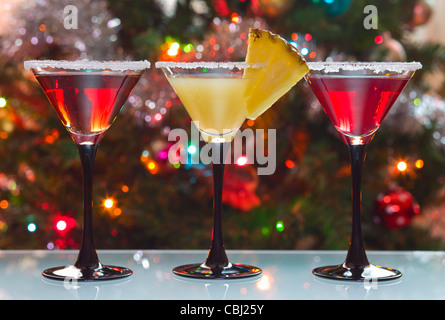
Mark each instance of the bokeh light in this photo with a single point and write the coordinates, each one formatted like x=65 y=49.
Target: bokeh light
x=402 y=166
x=108 y=203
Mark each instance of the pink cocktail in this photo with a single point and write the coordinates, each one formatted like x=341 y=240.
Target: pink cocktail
x=357 y=105
x=87 y=103
x=87 y=96
x=356 y=97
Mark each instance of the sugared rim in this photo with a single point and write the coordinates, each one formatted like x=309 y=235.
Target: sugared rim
x=355 y=66
x=208 y=65
x=87 y=64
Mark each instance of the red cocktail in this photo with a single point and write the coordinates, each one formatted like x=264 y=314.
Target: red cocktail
x=357 y=105
x=87 y=104
x=357 y=97
x=87 y=96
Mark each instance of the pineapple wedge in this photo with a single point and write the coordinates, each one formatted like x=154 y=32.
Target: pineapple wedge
x=285 y=67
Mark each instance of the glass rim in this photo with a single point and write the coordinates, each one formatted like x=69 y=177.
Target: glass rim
x=87 y=64
x=208 y=65
x=336 y=66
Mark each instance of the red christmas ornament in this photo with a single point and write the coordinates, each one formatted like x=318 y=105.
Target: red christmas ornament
x=221 y=7
x=240 y=183
x=395 y=209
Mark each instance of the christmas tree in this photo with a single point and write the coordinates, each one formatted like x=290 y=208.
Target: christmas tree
x=144 y=201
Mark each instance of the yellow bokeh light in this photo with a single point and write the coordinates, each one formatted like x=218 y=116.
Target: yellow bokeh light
x=402 y=166
x=173 y=49
x=419 y=164
x=235 y=18
x=151 y=165
x=108 y=203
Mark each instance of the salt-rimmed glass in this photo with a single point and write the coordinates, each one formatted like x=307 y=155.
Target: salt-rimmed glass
x=215 y=96
x=357 y=96
x=87 y=96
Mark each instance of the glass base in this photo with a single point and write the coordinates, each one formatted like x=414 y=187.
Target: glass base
x=366 y=273
x=233 y=271
x=87 y=274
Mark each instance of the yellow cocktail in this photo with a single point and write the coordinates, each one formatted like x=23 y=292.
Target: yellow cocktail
x=216 y=102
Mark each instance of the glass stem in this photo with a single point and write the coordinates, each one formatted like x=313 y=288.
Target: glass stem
x=217 y=258
x=87 y=257
x=356 y=254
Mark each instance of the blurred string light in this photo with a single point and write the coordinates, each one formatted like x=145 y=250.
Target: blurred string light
x=145 y=154
x=378 y=39
x=405 y=166
x=2 y=102
x=191 y=149
x=419 y=163
x=242 y=161
x=149 y=163
x=235 y=18
x=289 y=163
x=64 y=223
x=173 y=49
x=305 y=44
x=158 y=117
x=108 y=203
x=402 y=166
x=188 y=48
x=4 y=204
x=152 y=167
x=61 y=225
x=32 y=227
x=279 y=226
x=52 y=137
x=116 y=212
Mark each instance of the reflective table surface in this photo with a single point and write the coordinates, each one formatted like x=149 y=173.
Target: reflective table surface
x=287 y=275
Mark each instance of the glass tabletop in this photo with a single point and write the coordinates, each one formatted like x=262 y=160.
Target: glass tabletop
x=286 y=276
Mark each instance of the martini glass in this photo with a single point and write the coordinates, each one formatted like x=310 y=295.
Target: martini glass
x=87 y=96
x=357 y=97
x=215 y=96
